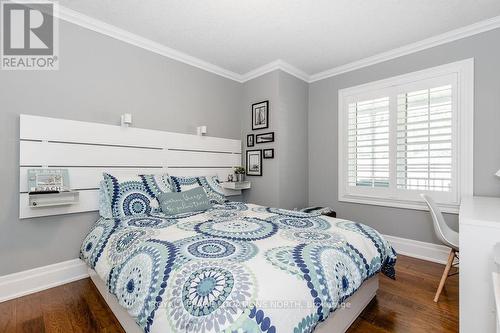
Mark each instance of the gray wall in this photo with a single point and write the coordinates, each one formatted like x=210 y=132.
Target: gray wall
x=265 y=188
x=284 y=177
x=99 y=79
x=291 y=149
x=485 y=48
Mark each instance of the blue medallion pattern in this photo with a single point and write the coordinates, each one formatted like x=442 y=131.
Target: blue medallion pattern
x=208 y=248
x=313 y=236
x=212 y=294
x=232 y=205
x=125 y=241
x=307 y=324
x=219 y=270
x=157 y=184
x=381 y=245
x=244 y=229
x=104 y=201
x=130 y=196
x=140 y=281
x=332 y=273
x=211 y=185
x=282 y=257
x=219 y=215
x=263 y=322
x=297 y=223
x=96 y=240
x=148 y=222
x=291 y=213
x=188 y=225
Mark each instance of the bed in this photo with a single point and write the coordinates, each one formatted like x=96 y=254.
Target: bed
x=236 y=268
x=266 y=269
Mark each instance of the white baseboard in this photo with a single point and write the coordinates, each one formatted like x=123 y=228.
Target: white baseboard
x=421 y=250
x=41 y=278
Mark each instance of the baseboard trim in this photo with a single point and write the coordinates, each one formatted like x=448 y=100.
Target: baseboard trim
x=41 y=278
x=420 y=250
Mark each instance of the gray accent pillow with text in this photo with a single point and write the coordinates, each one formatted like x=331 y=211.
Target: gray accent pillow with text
x=193 y=200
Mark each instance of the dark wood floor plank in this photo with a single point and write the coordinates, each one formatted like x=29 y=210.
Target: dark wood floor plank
x=29 y=314
x=8 y=317
x=81 y=316
x=406 y=304
x=54 y=305
x=401 y=306
x=99 y=307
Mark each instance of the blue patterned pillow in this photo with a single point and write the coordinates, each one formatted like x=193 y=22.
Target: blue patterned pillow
x=131 y=195
x=104 y=201
x=210 y=184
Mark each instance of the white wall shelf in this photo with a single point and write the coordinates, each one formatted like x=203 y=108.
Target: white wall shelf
x=245 y=185
x=53 y=199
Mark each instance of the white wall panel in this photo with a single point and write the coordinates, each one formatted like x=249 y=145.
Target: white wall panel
x=66 y=154
x=176 y=158
x=89 y=149
x=203 y=143
x=63 y=130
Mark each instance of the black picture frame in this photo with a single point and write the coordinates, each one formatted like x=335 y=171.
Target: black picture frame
x=250 y=140
x=268 y=153
x=254 y=162
x=264 y=137
x=260 y=115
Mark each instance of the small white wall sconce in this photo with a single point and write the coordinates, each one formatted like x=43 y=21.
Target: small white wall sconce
x=126 y=119
x=498 y=173
x=201 y=130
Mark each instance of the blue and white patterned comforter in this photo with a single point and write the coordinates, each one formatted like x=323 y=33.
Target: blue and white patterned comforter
x=235 y=268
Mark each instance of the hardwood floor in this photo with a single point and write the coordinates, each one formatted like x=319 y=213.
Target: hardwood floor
x=401 y=306
x=406 y=304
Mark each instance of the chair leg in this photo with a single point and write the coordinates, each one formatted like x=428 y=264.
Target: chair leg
x=451 y=257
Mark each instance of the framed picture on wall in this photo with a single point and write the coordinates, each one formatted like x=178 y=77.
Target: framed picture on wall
x=250 y=140
x=260 y=115
x=264 y=137
x=268 y=153
x=254 y=162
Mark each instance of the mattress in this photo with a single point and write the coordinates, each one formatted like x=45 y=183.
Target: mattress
x=236 y=268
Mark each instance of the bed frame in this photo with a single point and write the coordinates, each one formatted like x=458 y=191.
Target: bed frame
x=338 y=322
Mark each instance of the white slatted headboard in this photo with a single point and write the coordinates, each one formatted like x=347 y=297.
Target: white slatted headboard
x=88 y=149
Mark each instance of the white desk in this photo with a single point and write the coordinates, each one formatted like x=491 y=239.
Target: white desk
x=479 y=232
x=496 y=290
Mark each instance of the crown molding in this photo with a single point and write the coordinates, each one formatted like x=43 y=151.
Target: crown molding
x=450 y=36
x=101 y=27
x=275 y=65
x=96 y=25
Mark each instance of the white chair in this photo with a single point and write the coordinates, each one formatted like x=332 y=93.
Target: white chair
x=447 y=236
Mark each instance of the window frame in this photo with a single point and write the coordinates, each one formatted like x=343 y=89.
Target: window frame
x=462 y=137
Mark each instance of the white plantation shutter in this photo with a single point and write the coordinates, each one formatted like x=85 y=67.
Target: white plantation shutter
x=368 y=143
x=408 y=135
x=424 y=139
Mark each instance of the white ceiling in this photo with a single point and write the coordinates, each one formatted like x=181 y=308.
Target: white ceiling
x=312 y=35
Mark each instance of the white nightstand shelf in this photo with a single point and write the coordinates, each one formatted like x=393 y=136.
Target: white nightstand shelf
x=53 y=199
x=245 y=185
x=235 y=188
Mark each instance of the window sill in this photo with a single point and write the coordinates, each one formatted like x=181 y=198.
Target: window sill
x=394 y=203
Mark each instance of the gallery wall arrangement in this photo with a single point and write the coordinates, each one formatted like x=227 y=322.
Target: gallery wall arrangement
x=260 y=121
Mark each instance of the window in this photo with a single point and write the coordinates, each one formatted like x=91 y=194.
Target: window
x=408 y=135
